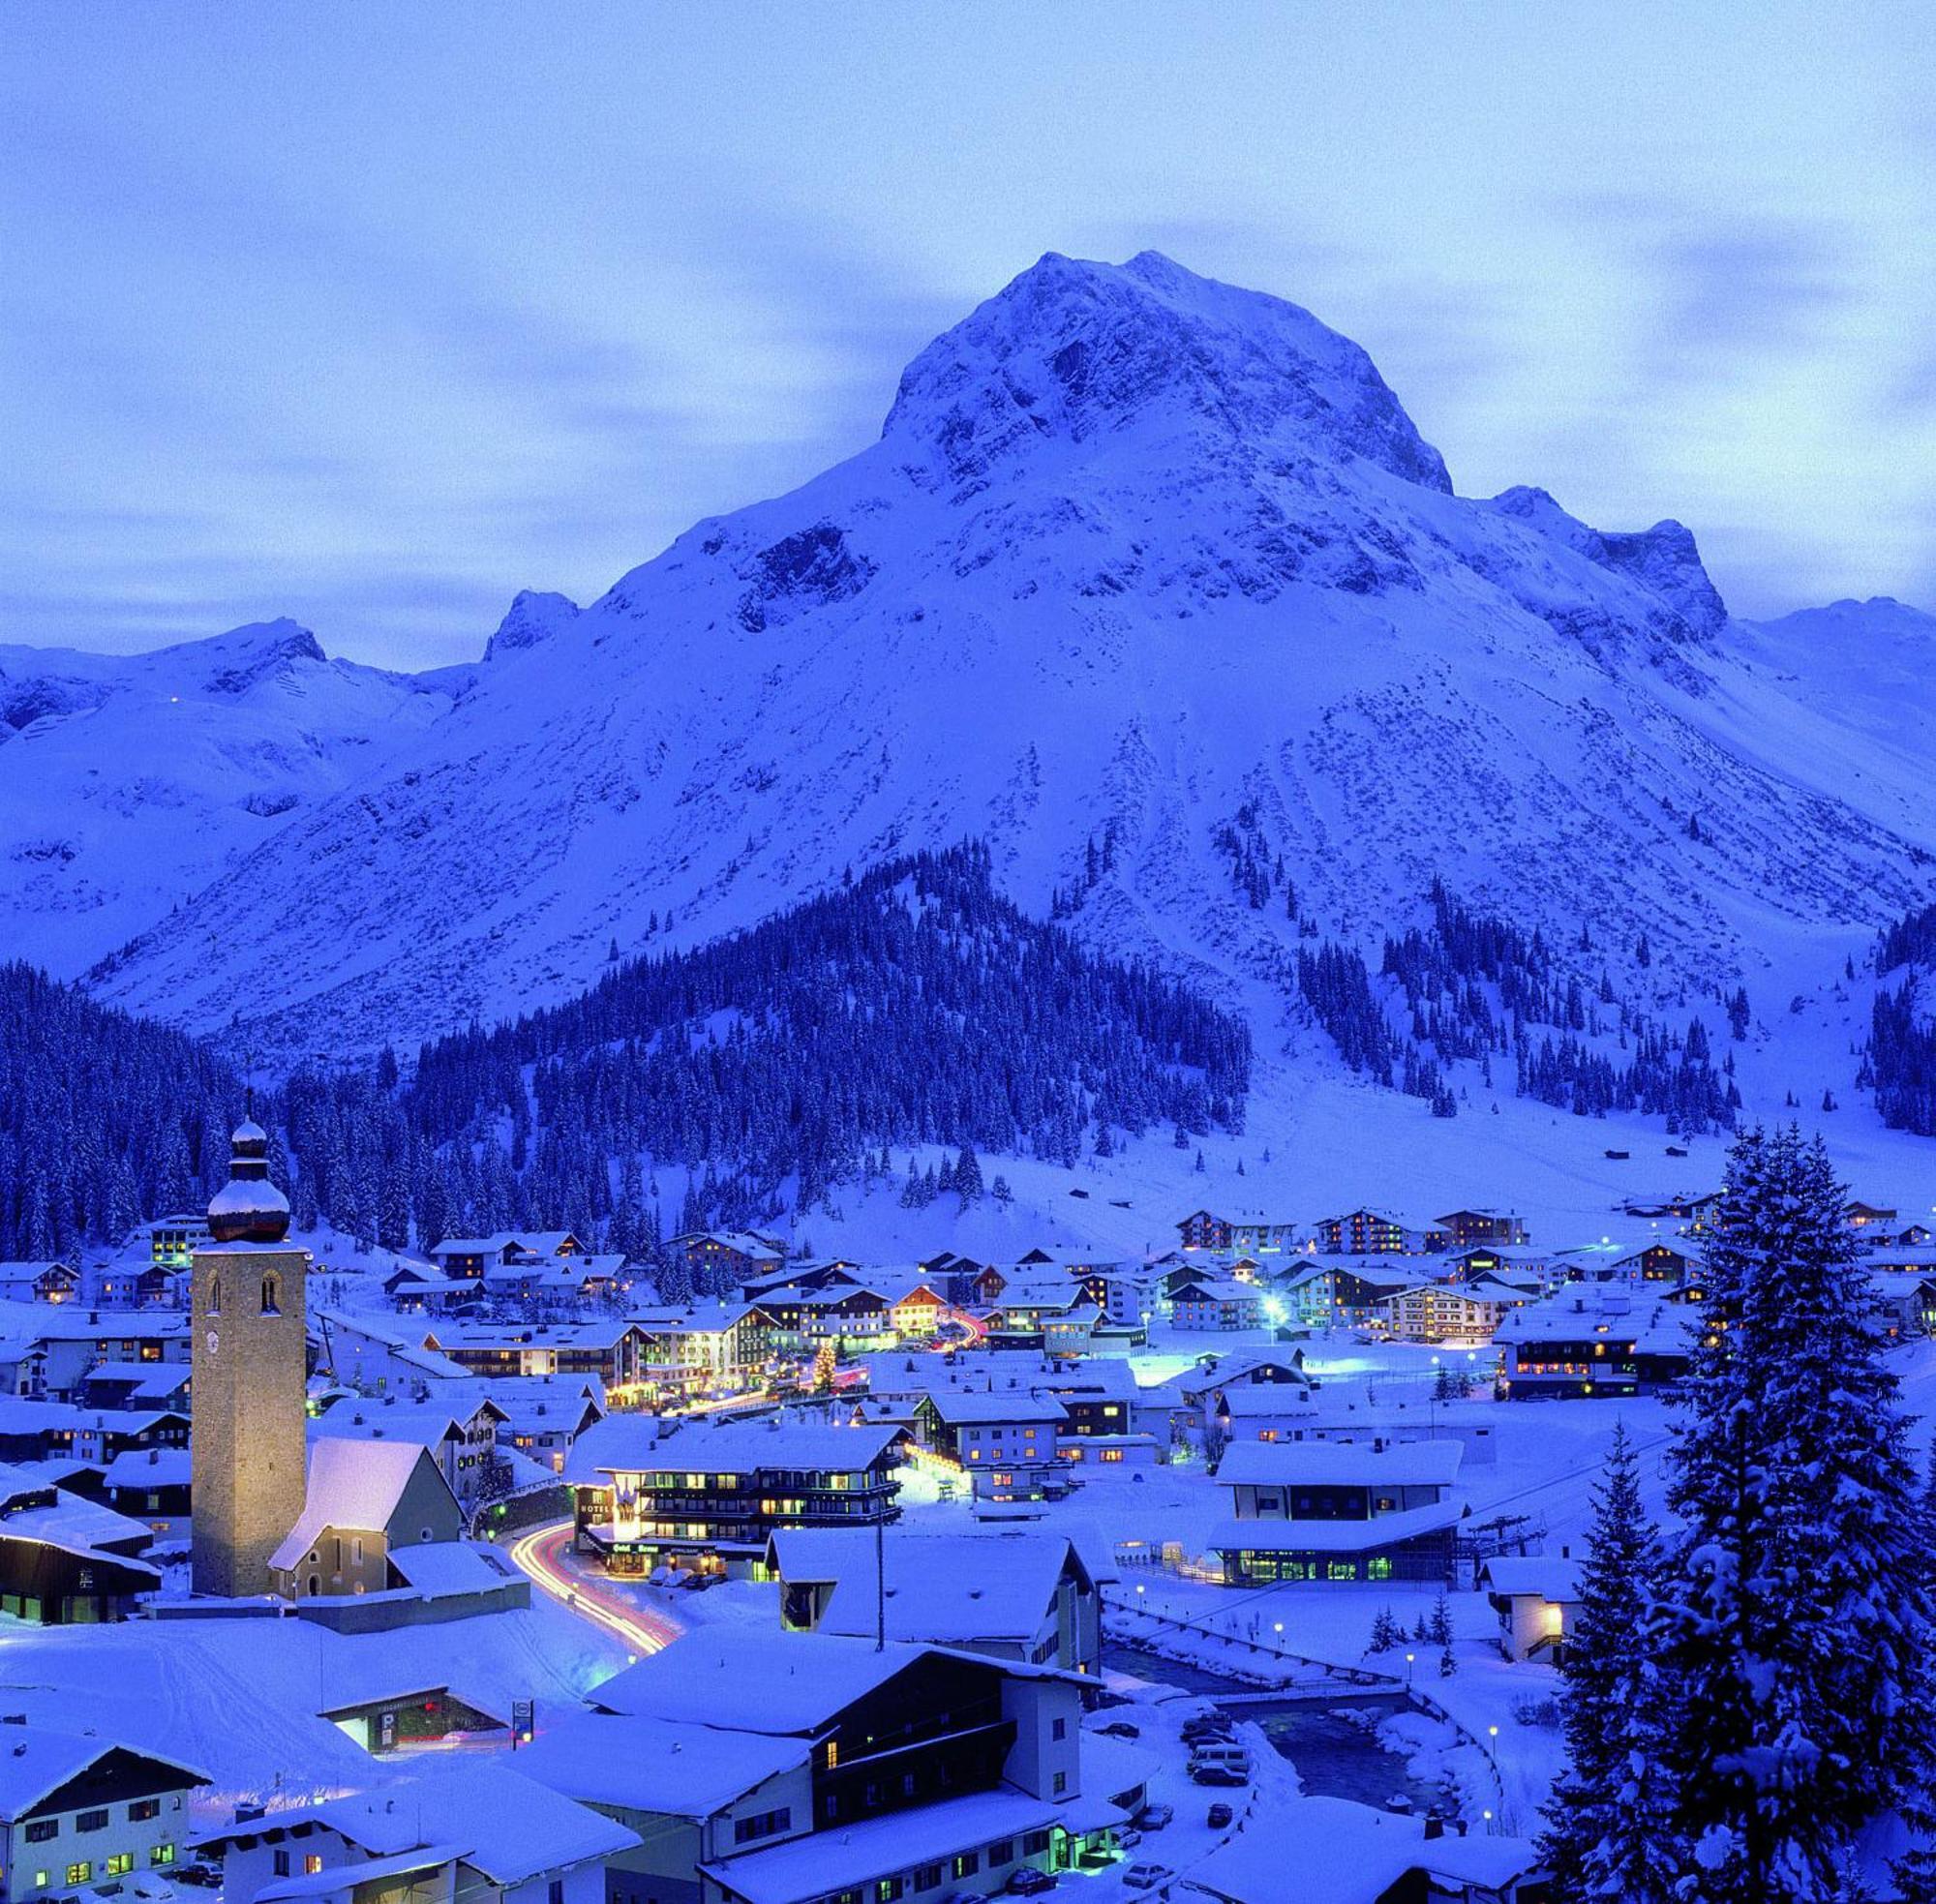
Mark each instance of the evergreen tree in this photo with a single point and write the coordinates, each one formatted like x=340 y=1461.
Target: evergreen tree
x=1605 y=1820
x=1795 y=1622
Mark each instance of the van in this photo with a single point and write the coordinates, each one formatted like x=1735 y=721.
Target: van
x=1224 y=1752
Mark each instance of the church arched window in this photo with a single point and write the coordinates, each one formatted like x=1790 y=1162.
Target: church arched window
x=271 y=1296
x=215 y=1295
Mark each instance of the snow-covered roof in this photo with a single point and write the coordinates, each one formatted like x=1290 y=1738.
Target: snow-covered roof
x=352 y=1484
x=150 y=1467
x=655 y=1764
x=1350 y=1854
x=956 y=1407
x=954 y=1588
x=631 y=1443
x=440 y=1569
x=1331 y=1536
x=1552 y=1575
x=36 y=1761
x=507 y=1826
x=856 y=1854
x=760 y=1679
x=1340 y=1464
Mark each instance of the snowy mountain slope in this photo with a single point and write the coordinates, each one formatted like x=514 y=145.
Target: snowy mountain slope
x=1135 y=554
x=131 y=784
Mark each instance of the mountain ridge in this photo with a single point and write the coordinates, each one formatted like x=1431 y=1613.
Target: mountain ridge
x=1207 y=568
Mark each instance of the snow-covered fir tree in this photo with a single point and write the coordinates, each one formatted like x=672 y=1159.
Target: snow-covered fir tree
x=1603 y=1832
x=1794 y=1626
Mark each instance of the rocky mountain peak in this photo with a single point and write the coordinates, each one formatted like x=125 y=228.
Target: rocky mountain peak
x=533 y=616
x=1072 y=349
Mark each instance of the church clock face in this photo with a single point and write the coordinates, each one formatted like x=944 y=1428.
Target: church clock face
x=213 y=1341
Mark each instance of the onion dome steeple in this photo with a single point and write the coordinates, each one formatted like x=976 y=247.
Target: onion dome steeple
x=249 y=1208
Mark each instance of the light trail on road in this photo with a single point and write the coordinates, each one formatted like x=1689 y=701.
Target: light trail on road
x=540 y=1554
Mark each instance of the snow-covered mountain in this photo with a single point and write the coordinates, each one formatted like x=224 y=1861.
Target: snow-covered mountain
x=133 y=784
x=1138 y=558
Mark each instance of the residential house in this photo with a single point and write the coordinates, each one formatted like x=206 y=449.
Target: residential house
x=985 y=1431
x=460 y=1829
x=718 y=1259
x=1595 y=1339
x=78 y=1810
x=1229 y=1235
x=608 y=1348
x=1318 y=1511
x=39 y=1281
x=926 y=1767
x=1023 y=1595
x=702 y=1349
x=1216 y=1305
x=1325 y=1294
x=1433 y=1313
x=1463 y=1228
x=64 y=1561
x=461 y=1435
x=1372 y=1233
x=1537 y=1599
x=706 y=1496
x=151 y=1486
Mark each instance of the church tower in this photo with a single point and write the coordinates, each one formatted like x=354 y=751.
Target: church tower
x=250 y=1368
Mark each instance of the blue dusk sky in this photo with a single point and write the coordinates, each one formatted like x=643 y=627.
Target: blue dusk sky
x=373 y=313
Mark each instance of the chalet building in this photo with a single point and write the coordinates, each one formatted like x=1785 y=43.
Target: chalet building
x=1325 y=1295
x=144 y=1386
x=172 y=1240
x=1504 y=1229
x=1589 y=1340
x=968 y=1283
x=708 y=1496
x=1216 y=1305
x=365 y=1500
x=1179 y=1408
x=1870 y=1219
x=1318 y=1511
x=460 y=1434
x=1915 y=1236
x=1907 y=1301
x=1367 y=1233
x=1657 y=1262
x=39 y=1281
x=1435 y=1313
x=64 y=1561
x=610 y=1350
x=538 y=1418
x=803 y=1317
x=1263 y=1411
x=1022 y=1595
x=151 y=1488
x=1232 y=1235
x=1054 y=1313
x=78 y=1810
x=907 y=1770
x=1694 y=1214
x=576 y=1275
x=133 y=1282
x=716 y=1258
x=56 y=1363
x=460 y=1828
x=1010 y=1428
x=1537 y=1599
x=704 y=1349
x=1098 y=1395
x=33 y=1431
x=468 y=1258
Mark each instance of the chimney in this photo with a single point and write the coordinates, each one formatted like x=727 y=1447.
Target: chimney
x=1435 y=1825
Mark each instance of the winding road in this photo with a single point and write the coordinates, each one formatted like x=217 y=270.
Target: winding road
x=544 y=1555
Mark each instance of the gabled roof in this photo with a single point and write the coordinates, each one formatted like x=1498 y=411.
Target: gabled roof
x=35 y=1763
x=953 y=1589
x=352 y=1484
x=1552 y=1575
x=680 y=1770
x=758 y=1680
x=631 y=1443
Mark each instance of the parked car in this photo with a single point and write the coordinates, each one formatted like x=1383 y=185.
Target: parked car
x=1146 y=1876
x=1129 y=1838
x=1120 y=1729
x=1220 y=1816
x=1195 y=1730
x=1153 y=1818
x=1226 y=1775
x=1028 y=1882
